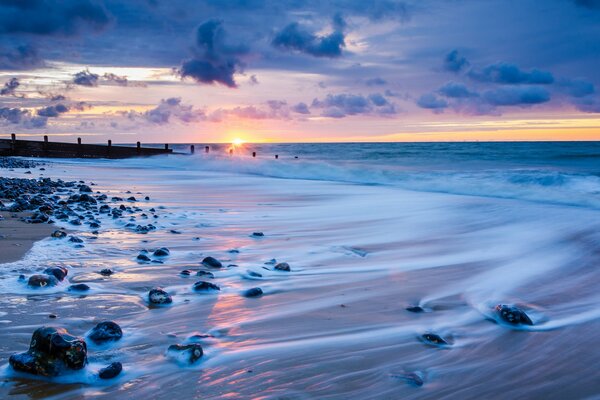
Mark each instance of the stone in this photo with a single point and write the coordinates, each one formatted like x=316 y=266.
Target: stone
x=105 y=331
x=159 y=296
x=42 y=280
x=162 y=252
x=75 y=239
x=432 y=338
x=257 y=234
x=253 y=274
x=106 y=272
x=192 y=352
x=283 y=266
x=52 y=351
x=143 y=257
x=254 y=292
x=512 y=315
x=79 y=287
x=415 y=309
x=212 y=262
x=185 y=272
x=58 y=234
x=59 y=273
x=85 y=189
x=207 y=274
x=110 y=371
x=203 y=286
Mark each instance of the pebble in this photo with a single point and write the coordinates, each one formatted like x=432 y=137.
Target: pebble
x=254 y=292
x=283 y=267
x=105 y=331
x=212 y=262
x=111 y=371
x=203 y=286
x=159 y=296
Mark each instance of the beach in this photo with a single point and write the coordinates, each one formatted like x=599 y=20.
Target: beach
x=374 y=267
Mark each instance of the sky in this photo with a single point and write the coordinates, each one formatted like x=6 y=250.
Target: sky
x=169 y=71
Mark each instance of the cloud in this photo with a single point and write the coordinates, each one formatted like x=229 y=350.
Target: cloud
x=168 y=109
x=23 y=57
x=52 y=111
x=215 y=60
x=301 y=108
x=9 y=87
x=86 y=78
x=516 y=96
x=17 y=116
x=454 y=62
x=431 y=102
x=577 y=87
x=342 y=105
x=589 y=104
x=506 y=73
x=119 y=80
x=51 y=17
x=456 y=90
x=377 y=81
x=272 y=109
x=295 y=38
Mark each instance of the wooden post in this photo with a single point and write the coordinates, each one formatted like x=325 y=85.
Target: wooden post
x=230 y=152
x=253 y=154
x=206 y=149
x=166 y=146
x=139 y=147
x=79 y=140
x=13 y=137
x=192 y=149
x=276 y=156
x=109 y=143
x=13 y=143
x=45 y=144
x=45 y=138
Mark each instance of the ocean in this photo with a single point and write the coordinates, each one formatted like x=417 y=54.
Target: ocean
x=368 y=229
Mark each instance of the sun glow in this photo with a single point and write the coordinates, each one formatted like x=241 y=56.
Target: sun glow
x=238 y=142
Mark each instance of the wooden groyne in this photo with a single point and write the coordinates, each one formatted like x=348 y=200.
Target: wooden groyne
x=31 y=148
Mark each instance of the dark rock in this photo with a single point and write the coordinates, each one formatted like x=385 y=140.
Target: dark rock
x=52 y=351
x=203 y=286
x=212 y=262
x=513 y=315
x=185 y=272
x=257 y=234
x=254 y=292
x=75 y=239
x=412 y=378
x=192 y=351
x=415 y=309
x=147 y=198
x=85 y=189
x=162 y=252
x=159 y=296
x=131 y=198
x=40 y=280
x=111 y=371
x=105 y=331
x=173 y=231
x=59 y=234
x=254 y=274
x=59 y=273
x=143 y=257
x=106 y=272
x=52 y=316
x=283 y=267
x=79 y=287
x=206 y=274
x=432 y=338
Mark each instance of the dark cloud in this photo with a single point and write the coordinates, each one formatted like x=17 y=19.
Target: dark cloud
x=294 y=38
x=506 y=73
x=51 y=17
x=52 y=111
x=454 y=62
x=342 y=105
x=589 y=104
x=86 y=78
x=377 y=81
x=169 y=109
x=301 y=108
x=431 y=102
x=57 y=97
x=23 y=118
x=9 y=87
x=253 y=80
x=215 y=61
x=456 y=90
x=119 y=80
x=577 y=87
x=516 y=96
x=22 y=57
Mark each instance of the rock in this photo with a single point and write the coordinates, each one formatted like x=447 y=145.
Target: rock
x=131 y=198
x=147 y=198
x=79 y=287
x=59 y=234
x=106 y=272
x=52 y=316
x=415 y=309
x=206 y=274
x=173 y=231
x=59 y=273
x=203 y=286
x=162 y=252
x=105 y=331
x=432 y=338
x=192 y=352
x=257 y=234
x=412 y=378
x=159 y=296
x=110 y=371
x=185 y=272
x=212 y=262
x=52 y=351
x=254 y=292
x=513 y=315
x=40 y=280
x=75 y=239
x=85 y=189
x=143 y=257
x=283 y=267
x=254 y=274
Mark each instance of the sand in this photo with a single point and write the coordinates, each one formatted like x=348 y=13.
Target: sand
x=17 y=237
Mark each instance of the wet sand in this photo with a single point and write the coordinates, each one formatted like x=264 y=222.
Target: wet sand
x=18 y=237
